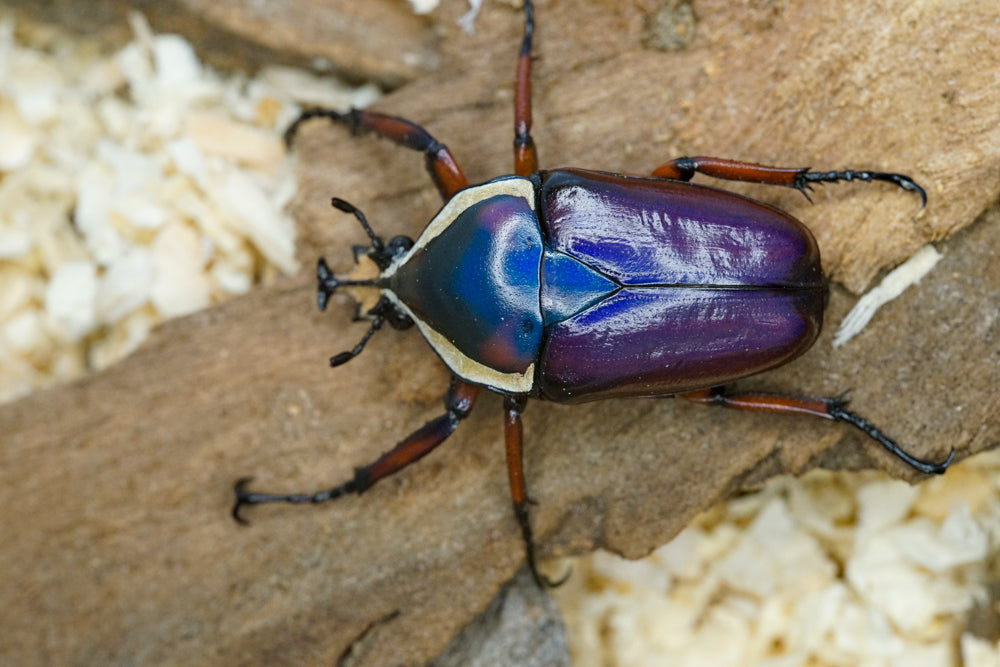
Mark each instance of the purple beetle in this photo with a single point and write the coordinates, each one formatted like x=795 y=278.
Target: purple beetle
x=573 y=285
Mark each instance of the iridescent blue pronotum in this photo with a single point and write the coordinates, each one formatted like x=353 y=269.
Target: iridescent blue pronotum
x=572 y=285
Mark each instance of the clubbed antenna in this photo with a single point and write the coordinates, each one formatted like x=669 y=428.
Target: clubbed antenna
x=382 y=256
x=329 y=282
x=347 y=355
x=377 y=244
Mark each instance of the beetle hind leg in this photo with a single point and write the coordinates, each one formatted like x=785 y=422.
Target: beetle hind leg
x=458 y=402
x=826 y=408
x=800 y=178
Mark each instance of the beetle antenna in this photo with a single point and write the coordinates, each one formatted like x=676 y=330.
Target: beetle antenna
x=377 y=244
x=347 y=355
x=329 y=282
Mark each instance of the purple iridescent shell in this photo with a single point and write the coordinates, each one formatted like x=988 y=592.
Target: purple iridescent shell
x=715 y=287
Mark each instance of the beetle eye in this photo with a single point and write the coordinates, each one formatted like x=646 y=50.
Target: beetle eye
x=396 y=318
x=399 y=320
x=397 y=245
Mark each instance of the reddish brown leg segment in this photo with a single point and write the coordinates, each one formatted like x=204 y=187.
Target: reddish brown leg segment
x=458 y=402
x=440 y=164
x=827 y=408
x=800 y=178
x=525 y=157
x=514 y=440
x=684 y=168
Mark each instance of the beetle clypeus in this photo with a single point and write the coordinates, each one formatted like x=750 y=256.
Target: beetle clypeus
x=572 y=285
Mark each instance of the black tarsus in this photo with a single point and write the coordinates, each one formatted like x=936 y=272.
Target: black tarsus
x=309 y=114
x=805 y=178
x=529 y=28
x=527 y=536
x=836 y=410
x=250 y=498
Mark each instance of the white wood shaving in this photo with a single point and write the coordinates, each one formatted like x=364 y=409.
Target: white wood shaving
x=466 y=22
x=828 y=570
x=134 y=186
x=895 y=283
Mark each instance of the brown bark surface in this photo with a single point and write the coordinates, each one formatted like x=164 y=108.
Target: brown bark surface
x=381 y=41
x=116 y=489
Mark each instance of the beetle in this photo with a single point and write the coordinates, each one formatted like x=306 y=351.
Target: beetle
x=572 y=285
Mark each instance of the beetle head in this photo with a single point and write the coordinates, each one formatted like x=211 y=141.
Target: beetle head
x=371 y=261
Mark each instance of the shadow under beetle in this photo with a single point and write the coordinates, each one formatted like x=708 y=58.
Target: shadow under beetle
x=573 y=285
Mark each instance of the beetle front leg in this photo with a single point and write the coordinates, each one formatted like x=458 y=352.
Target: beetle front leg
x=525 y=157
x=458 y=402
x=827 y=408
x=800 y=178
x=442 y=167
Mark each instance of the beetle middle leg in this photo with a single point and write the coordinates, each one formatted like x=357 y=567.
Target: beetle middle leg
x=458 y=403
x=441 y=165
x=827 y=408
x=800 y=178
x=525 y=156
x=514 y=439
